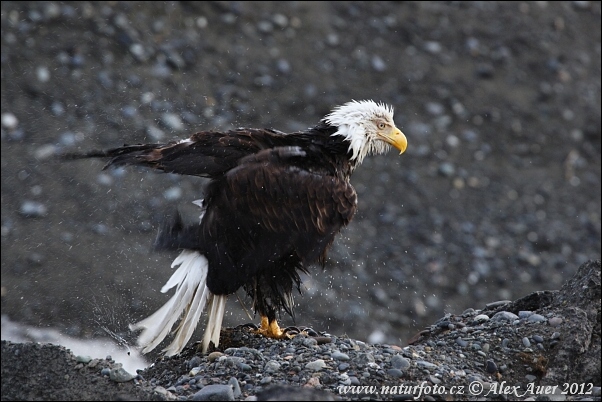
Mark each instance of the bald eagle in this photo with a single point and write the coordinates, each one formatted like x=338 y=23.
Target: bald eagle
x=272 y=207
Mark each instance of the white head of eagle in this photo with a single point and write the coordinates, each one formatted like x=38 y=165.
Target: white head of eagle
x=272 y=208
x=368 y=126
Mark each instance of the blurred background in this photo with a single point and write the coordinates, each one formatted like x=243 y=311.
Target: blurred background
x=497 y=196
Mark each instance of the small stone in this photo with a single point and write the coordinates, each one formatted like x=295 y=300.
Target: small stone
x=213 y=356
x=526 y=342
x=363 y=359
x=214 y=393
x=316 y=365
x=536 y=318
x=340 y=356
x=425 y=364
x=530 y=378
x=461 y=342
x=400 y=362
x=119 y=374
x=194 y=362
x=172 y=121
x=491 y=367
x=343 y=367
x=555 y=335
x=313 y=382
x=538 y=338
x=83 y=359
x=525 y=314
x=272 y=366
x=354 y=380
x=265 y=380
x=33 y=209
x=481 y=318
x=555 y=321
x=497 y=304
x=395 y=373
x=434 y=379
x=233 y=382
x=9 y=121
x=504 y=316
x=45 y=152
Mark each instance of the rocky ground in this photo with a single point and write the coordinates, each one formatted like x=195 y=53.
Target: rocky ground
x=545 y=346
x=498 y=195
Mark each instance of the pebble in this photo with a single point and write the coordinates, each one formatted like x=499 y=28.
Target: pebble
x=491 y=367
x=461 y=342
x=340 y=356
x=536 y=318
x=526 y=342
x=83 y=359
x=214 y=392
x=271 y=367
x=214 y=356
x=497 y=304
x=172 y=121
x=425 y=364
x=364 y=358
x=343 y=367
x=400 y=362
x=316 y=365
x=504 y=316
x=9 y=121
x=538 y=338
x=395 y=373
x=481 y=318
x=33 y=209
x=118 y=374
x=524 y=314
x=555 y=321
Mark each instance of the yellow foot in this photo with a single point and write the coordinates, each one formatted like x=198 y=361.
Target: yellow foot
x=272 y=330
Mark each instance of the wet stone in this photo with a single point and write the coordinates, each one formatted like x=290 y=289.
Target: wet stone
x=316 y=365
x=538 y=338
x=340 y=356
x=461 y=342
x=536 y=318
x=399 y=362
x=555 y=321
x=425 y=364
x=119 y=374
x=504 y=316
x=491 y=367
x=214 y=393
x=481 y=318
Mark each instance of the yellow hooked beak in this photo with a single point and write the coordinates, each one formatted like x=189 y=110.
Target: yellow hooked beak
x=396 y=138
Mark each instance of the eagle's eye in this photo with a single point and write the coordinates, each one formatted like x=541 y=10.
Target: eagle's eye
x=381 y=125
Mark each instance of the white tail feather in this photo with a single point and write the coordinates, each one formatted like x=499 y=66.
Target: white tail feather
x=190 y=299
x=214 y=321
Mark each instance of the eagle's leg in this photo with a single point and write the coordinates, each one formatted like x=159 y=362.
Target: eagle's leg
x=271 y=329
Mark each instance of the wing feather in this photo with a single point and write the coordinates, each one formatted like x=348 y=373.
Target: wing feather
x=207 y=153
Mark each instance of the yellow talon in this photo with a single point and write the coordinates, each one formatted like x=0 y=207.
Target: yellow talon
x=271 y=330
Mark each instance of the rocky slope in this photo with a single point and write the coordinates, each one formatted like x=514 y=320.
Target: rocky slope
x=545 y=346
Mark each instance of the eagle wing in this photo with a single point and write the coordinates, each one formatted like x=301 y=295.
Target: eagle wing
x=272 y=206
x=206 y=153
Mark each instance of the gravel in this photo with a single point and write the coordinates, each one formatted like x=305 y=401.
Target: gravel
x=314 y=369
